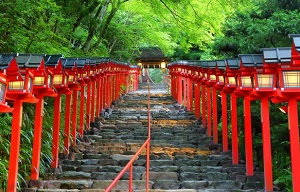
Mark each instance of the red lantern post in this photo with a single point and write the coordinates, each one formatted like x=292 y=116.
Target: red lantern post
x=82 y=76
x=288 y=90
x=20 y=89
x=264 y=87
x=219 y=72
x=244 y=88
x=211 y=81
x=94 y=78
x=203 y=74
x=42 y=86
x=60 y=83
x=71 y=68
x=232 y=68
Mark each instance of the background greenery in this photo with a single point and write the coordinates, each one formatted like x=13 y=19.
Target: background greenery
x=182 y=29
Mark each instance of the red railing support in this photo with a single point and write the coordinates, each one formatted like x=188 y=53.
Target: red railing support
x=129 y=165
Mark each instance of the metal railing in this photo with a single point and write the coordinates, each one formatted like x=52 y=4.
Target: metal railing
x=129 y=165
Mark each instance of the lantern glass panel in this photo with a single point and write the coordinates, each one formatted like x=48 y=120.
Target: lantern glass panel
x=221 y=79
x=71 y=78
x=2 y=91
x=246 y=81
x=291 y=79
x=39 y=80
x=57 y=79
x=265 y=80
x=212 y=77
x=231 y=81
x=16 y=85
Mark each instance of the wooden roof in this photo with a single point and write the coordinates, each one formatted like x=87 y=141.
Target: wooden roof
x=151 y=57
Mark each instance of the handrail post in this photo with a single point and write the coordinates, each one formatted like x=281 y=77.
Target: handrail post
x=129 y=165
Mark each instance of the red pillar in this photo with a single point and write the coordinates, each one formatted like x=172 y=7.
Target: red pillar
x=197 y=100
x=56 y=130
x=103 y=95
x=81 y=115
x=98 y=100
x=37 y=138
x=67 y=124
x=190 y=99
x=248 y=136
x=234 y=130
x=14 y=147
x=203 y=107
x=215 y=115
x=184 y=92
x=93 y=101
x=208 y=112
x=294 y=143
x=224 y=122
x=179 y=90
x=267 y=151
x=74 y=116
x=88 y=107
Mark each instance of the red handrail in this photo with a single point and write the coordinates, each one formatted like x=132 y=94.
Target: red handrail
x=130 y=163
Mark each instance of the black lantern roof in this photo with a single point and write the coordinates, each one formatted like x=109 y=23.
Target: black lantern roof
x=93 y=61
x=68 y=62
x=204 y=64
x=30 y=60
x=80 y=62
x=193 y=62
x=5 y=60
x=251 y=60
x=296 y=40
x=52 y=60
x=233 y=63
x=211 y=64
x=221 y=64
x=277 y=55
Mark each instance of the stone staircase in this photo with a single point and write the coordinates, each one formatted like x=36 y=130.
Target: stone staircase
x=182 y=157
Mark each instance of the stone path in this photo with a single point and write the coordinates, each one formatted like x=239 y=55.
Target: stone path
x=181 y=159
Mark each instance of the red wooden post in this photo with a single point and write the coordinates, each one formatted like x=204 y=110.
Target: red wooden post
x=67 y=124
x=197 y=100
x=215 y=114
x=184 y=92
x=191 y=98
x=232 y=68
x=14 y=147
x=224 y=121
x=74 y=116
x=179 y=89
x=93 y=101
x=294 y=142
x=266 y=137
x=209 y=131
x=56 y=130
x=88 y=106
x=37 y=138
x=248 y=136
x=204 y=106
x=234 y=130
x=81 y=115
